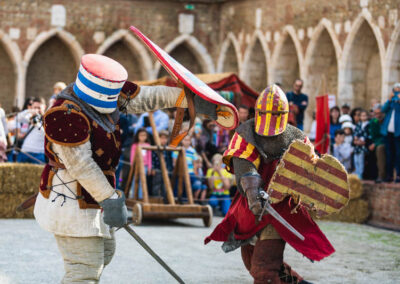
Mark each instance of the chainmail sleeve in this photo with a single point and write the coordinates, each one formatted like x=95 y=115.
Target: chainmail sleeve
x=241 y=167
x=80 y=165
x=151 y=98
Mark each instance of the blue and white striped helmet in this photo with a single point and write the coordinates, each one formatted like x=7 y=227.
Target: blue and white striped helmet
x=99 y=82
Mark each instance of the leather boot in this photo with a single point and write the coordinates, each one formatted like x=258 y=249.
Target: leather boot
x=288 y=275
x=247 y=253
x=267 y=261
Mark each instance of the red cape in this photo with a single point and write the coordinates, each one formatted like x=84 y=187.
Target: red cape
x=242 y=222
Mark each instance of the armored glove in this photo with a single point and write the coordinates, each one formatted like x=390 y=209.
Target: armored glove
x=203 y=106
x=115 y=212
x=251 y=184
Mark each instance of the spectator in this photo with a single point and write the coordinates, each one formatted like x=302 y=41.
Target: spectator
x=391 y=131
x=342 y=150
x=160 y=119
x=208 y=141
x=156 y=182
x=3 y=120
x=355 y=115
x=141 y=139
x=345 y=109
x=348 y=129
x=32 y=149
x=334 y=123
x=297 y=98
x=313 y=129
x=191 y=157
x=243 y=113
x=57 y=88
x=3 y=138
x=359 y=141
x=164 y=134
x=198 y=171
x=377 y=142
x=219 y=181
x=127 y=124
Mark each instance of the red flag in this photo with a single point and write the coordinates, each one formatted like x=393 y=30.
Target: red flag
x=322 y=118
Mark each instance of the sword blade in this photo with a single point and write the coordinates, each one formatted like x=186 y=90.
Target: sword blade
x=152 y=253
x=280 y=219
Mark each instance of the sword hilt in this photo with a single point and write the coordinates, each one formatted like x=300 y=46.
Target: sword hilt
x=264 y=198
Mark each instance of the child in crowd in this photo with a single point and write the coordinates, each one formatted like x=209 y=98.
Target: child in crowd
x=359 y=141
x=219 y=181
x=191 y=157
x=342 y=150
x=198 y=171
x=141 y=139
x=348 y=127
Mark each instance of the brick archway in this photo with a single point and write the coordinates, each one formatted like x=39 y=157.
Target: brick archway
x=195 y=48
x=10 y=68
x=125 y=48
x=361 y=65
x=49 y=67
x=229 y=59
x=321 y=64
x=255 y=67
x=287 y=59
x=392 y=63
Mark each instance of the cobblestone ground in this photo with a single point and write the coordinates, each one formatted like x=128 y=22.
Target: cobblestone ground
x=363 y=255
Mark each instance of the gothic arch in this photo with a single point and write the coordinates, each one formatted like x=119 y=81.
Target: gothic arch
x=137 y=49
x=321 y=63
x=255 y=67
x=287 y=59
x=65 y=36
x=230 y=43
x=195 y=47
x=392 y=63
x=362 y=63
x=11 y=91
x=53 y=56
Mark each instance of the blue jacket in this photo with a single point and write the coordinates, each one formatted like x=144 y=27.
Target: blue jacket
x=388 y=108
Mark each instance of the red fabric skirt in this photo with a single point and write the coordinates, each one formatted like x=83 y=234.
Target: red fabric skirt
x=243 y=223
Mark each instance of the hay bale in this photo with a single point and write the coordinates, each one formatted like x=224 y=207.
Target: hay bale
x=356 y=211
x=9 y=203
x=355 y=185
x=17 y=183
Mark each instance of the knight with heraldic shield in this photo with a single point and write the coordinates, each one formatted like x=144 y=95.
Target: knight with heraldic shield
x=280 y=179
x=77 y=200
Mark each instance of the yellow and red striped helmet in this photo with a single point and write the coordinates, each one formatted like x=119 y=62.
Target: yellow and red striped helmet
x=272 y=111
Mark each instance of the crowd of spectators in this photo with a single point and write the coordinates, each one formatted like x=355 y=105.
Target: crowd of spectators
x=367 y=142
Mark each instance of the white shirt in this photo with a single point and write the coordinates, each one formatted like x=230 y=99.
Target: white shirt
x=391 y=123
x=34 y=141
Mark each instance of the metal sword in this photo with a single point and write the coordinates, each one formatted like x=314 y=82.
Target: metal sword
x=267 y=207
x=152 y=253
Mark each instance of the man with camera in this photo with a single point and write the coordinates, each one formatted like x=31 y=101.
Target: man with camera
x=390 y=129
x=32 y=150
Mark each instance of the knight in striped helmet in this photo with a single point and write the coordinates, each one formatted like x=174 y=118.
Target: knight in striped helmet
x=272 y=109
x=253 y=154
x=83 y=147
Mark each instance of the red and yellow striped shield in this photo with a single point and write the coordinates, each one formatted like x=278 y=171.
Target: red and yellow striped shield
x=318 y=183
x=272 y=110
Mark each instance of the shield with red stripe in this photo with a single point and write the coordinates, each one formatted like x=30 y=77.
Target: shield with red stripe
x=319 y=184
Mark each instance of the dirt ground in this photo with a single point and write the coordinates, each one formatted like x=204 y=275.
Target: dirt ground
x=363 y=254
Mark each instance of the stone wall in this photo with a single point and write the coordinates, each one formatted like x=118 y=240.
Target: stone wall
x=384 y=200
x=353 y=44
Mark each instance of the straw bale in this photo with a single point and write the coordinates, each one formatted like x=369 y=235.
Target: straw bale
x=356 y=211
x=356 y=189
x=9 y=203
x=18 y=182
x=19 y=178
